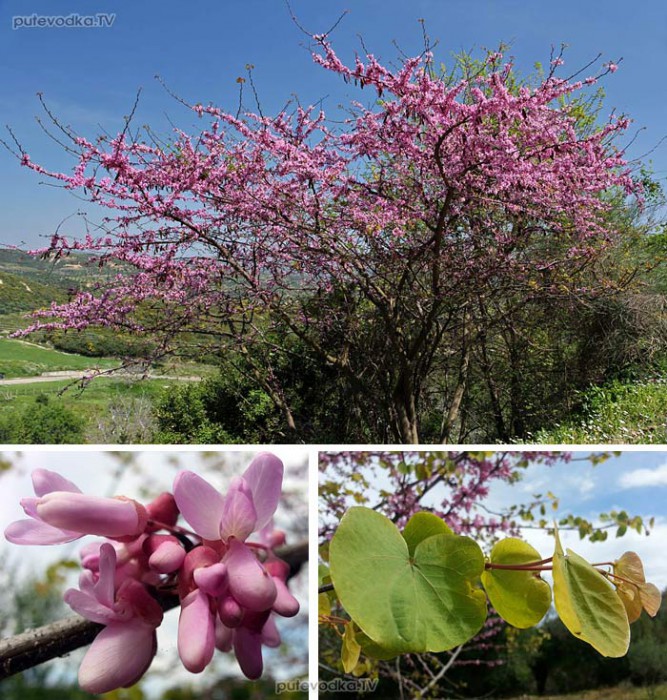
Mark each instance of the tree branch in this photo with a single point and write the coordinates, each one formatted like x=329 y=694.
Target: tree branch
x=35 y=646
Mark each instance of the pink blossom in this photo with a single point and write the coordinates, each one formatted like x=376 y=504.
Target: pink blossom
x=61 y=513
x=36 y=531
x=122 y=652
x=92 y=515
x=229 y=589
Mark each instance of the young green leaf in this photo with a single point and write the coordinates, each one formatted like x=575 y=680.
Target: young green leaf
x=521 y=598
x=350 y=650
x=588 y=605
x=425 y=602
x=422 y=525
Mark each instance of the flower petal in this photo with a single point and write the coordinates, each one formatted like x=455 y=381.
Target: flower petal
x=196 y=632
x=45 y=481
x=264 y=476
x=118 y=657
x=200 y=504
x=37 y=532
x=238 y=514
x=212 y=579
x=249 y=582
x=89 y=607
x=248 y=651
x=105 y=588
x=92 y=515
x=270 y=634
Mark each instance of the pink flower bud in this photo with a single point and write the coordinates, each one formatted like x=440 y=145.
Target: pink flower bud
x=270 y=634
x=223 y=636
x=248 y=651
x=212 y=579
x=230 y=612
x=194 y=559
x=196 y=632
x=163 y=509
x=165 y=553
x=109 y=517
x=285 y=603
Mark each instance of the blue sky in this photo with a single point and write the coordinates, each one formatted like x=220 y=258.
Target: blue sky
x=635 y=481
x=90 y=76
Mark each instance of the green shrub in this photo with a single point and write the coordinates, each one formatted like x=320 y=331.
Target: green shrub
x=617 y=413
x=42 y=423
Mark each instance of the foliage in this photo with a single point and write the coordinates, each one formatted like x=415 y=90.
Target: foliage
x=617 y=413
x=416 y=592
x=108 y=407
x=19 y=294
x=100 y=343
x=370 y=596
x=41 y=423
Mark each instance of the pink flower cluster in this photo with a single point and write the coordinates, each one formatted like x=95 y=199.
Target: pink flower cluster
x=229 y=587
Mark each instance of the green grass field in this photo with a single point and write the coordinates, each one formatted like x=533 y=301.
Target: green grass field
x=633 y=413
x=21 y=359
x=95 y=403
x=656 y=692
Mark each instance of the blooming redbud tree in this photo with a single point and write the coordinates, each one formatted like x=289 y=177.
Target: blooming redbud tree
x=411 y=225
x=222 y=568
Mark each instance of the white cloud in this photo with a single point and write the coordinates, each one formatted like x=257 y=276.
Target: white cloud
x=650 y=549
x=644 y=477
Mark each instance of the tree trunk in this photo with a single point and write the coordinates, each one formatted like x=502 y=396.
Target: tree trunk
x=460 y=389
x=404 y=410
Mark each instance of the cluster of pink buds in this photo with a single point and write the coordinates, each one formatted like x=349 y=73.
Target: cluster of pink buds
x=229 y=586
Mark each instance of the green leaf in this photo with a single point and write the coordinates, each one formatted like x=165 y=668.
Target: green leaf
x=588 y=605
x=424 y=602
x=521 y=598
x=373 y=650
x=323 y=605
x=422 y=525
x=350 y=650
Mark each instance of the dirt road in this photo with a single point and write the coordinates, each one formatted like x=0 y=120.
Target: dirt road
x=59 y=376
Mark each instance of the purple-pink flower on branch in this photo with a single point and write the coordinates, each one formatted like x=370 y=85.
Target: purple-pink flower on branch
x=123 y=651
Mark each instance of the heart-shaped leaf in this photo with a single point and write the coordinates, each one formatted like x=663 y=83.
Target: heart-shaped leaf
x=588 y=605
x=427 y=601
x=521 y=598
